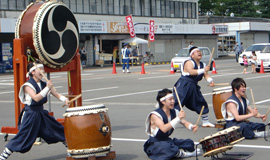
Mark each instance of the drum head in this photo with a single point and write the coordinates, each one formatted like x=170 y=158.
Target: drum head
x=55 y=33
x=222 y=90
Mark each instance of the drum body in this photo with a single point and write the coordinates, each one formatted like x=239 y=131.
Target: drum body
x=214 y=144
x=234 y=134
x=87 y=131
x=220 y=95
x=50 y=33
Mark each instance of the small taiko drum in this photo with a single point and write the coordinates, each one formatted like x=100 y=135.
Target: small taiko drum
x=87 y=131
x=220 y=95
x=50 y=33
x=214 y=144
x=234 y=134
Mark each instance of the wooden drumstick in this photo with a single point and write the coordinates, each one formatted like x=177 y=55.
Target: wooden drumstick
x=75 y=98
x=211 y=56
x=178 y=98
x=46 y=79
x=252 y=98
x=200 y=116
x=267 y=112
x=221 y=84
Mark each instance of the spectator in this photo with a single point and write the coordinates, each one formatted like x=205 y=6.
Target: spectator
x=83 y=57
x=253 y=61
x=237 y=51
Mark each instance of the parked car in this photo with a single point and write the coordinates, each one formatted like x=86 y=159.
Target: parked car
x=183 y=55
x=264 y=56
x=258 y=48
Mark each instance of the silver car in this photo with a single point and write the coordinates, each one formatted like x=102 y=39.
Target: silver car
x=183 y=55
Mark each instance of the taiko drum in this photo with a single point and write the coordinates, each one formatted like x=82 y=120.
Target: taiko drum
x=87 y=131
x=50 y=33
x=220 y=95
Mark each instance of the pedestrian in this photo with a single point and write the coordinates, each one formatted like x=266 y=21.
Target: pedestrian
x=34 y=121
x=83 y=57
x=253 y=61
x=187 y=85
x=160 y=124
x=237 y=51
x=125 y=57
x=236 y=111
x=245 y=64
x=190 y=44
x=241 y=48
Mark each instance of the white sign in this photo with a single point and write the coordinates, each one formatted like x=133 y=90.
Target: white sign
x=7 y=25
x=92 y=27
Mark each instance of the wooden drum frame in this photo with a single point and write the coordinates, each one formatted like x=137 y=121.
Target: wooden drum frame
x=87 y=131
x=234 y=134
x=220 y=95
x=50 y=33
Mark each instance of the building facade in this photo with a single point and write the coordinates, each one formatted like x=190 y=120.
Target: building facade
x=103 y=26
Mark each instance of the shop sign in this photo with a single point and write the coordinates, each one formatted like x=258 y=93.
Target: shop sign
x=152 y=31
x=118 y=27
x=219 y=29
x=92 y=27
x=130 y=26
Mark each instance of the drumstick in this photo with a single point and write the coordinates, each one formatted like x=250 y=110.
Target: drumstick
x=221 y=84
x=267 y=112
x=42 y=74
x=75 y=98
x=252 y=98
x=178 y=98
x=211 y=56
x=200 y=116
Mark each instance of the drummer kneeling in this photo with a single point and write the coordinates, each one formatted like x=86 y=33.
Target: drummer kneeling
x=160 y=124
x=236 y=111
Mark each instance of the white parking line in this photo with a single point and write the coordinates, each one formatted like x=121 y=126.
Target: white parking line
x=237 y=145
x=258 y=77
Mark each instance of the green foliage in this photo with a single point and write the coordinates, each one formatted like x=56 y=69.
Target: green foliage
x=240 y=8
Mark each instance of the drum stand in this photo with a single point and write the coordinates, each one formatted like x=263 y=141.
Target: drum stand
x=232 y=156
x=19 y=72
x=265 y=134
x=110 y=155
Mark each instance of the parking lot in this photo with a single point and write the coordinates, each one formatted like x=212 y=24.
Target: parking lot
x=130 y=97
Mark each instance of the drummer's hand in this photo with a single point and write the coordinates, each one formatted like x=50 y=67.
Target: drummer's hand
x=194 y=128
x=254 y=112
x=212 y=84
x=49 y=84
x=67 y=102
x=207 y=68
x=263 y=117
x=182 y=114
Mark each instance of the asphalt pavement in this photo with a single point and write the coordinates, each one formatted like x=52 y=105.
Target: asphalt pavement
x=130 y=97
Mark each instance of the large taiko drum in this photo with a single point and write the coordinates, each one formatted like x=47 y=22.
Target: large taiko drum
x=87 y=131
x=220 y=95
x=50 y=30
x=214 y=144
x=234 y=135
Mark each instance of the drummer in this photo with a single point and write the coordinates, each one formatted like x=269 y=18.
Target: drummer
x=34 y=121
x=160 y=124
x=236 y=111
x=187 y=85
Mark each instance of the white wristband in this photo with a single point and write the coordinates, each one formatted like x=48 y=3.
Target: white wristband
x=200 y=71
x=175 y=121
x=63 y=99
x=44 y=92
x=190 y=127
x=209 y=80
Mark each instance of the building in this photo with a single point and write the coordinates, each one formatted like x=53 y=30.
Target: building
x=103 y=25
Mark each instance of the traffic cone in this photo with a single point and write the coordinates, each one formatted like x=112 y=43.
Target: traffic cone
x=172 y=70
x=143 y=71
x=114 y=69
x=214 y=68
x=262 y=69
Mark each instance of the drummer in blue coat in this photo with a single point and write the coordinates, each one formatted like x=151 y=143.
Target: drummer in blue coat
x=187 y=87
x=160 y=124
x=236 y=111
x=34 y=121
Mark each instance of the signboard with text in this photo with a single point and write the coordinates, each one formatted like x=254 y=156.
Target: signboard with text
x=152 y=31
x=92 y=27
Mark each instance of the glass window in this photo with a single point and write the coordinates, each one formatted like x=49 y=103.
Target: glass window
x=110 y=5
x=79 y=6
x=93 y=6
x=122 y=3
x=177 y=9
x=194 y=10
x=99 y=7
x=153 y=8
x=167 y=9
x=189 y=10
x=158 y=8
x=86 y=5
x=116 y=7
x=73 y=6
x=181 y=9
x=66 y=2
x=105 y=7
x=136 y=7
x=146 y=8
x=4 y=4
x=171 y=9
x=127 y=8
x=20 y=5
x=185 y=10
x=163 y=8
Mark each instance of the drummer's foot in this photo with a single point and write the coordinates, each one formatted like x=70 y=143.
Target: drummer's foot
x=191 y=154
x=208 y=124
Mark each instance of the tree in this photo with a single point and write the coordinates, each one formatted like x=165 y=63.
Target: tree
x=264 y=8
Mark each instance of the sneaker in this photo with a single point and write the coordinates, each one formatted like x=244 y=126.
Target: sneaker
x=123 y=71
x=259 y=134
x=128 y=71
x=208 y=124
x=191 y=154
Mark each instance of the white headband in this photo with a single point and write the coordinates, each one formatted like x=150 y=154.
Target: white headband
x=165 y=97
x=33 y=68
x=196 y=49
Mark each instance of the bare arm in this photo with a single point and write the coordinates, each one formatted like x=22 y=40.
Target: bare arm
x=32 y=93
x=189 y=68
x=232 y=108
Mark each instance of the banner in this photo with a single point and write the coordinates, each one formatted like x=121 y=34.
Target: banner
x=152 y=31
x=130 y=26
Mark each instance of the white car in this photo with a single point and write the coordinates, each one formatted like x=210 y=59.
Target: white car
x=264 y=57
x=183 y=55
x=258 y=48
